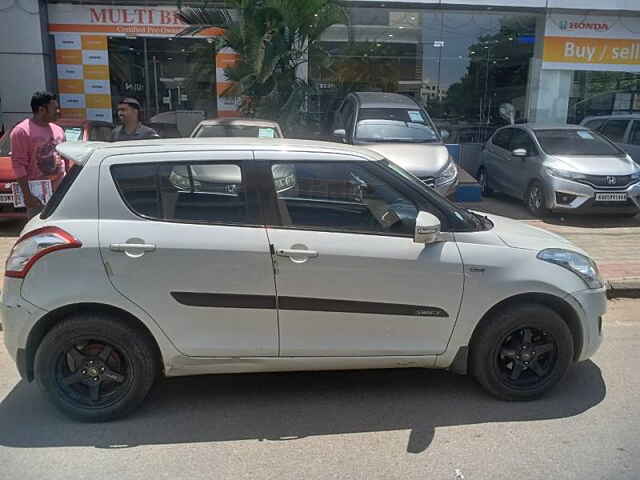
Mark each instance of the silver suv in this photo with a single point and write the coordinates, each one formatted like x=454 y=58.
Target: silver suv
x=199 y=256
x=561 y=169
x=399 y=129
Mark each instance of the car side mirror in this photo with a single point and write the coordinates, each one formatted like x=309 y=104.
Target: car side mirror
x=340 y=133
x=444 y=134
x=427 y=228
x=520 y=152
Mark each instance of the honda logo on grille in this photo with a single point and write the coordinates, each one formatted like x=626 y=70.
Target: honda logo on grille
x=611 y=180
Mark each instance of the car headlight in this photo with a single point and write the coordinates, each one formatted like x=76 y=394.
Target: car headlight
x=449 y=173
x=556 y=172
x=635 y=175
x=579 y=264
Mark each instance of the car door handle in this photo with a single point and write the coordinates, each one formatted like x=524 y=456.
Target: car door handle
x=123 y=247
x=297 y=253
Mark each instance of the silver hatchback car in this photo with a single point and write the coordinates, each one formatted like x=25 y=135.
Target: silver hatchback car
x=200 y=256
x=561 y=169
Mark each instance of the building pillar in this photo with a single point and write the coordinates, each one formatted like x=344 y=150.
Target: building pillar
x=24 y=57
x=548 y=91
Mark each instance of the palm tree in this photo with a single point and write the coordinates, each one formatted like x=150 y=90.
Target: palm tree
x=272 y=39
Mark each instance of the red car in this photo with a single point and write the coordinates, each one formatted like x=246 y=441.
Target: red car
x=74 y=131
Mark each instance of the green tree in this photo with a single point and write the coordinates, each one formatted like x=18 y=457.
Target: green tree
x=272 y=39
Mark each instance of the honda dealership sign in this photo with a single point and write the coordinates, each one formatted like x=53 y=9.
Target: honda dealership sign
x=597 y=43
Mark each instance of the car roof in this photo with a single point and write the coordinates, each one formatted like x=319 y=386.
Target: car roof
x=625 y=116
x=74 y=122
x=384 y=100
x=545 y=126
x=80 y=152
x=240 y=121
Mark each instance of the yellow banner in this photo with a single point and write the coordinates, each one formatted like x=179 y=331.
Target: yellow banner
x=594 y=51
x=96 y=72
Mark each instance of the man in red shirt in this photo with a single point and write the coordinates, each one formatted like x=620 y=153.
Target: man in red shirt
x=33 y=149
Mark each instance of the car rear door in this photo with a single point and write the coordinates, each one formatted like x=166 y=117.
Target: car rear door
x=615 y=129
x=180 y=235
x=351 y=282
x=632 y=143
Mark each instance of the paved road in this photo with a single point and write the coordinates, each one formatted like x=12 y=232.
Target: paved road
x=356 y=425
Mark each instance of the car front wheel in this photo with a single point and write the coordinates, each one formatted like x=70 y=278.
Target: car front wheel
x=535 y=199
x=483 y=180
x=521 y=352
x=93 y=367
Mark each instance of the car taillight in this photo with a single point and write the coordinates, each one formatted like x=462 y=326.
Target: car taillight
x=34 y=245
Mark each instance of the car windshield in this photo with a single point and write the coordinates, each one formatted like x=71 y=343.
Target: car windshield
x=234 y=130
x=5 y=145
x=73 y=134
x=394 y=125
x=575 y=142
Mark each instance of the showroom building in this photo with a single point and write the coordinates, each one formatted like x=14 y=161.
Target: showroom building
x=551 y=60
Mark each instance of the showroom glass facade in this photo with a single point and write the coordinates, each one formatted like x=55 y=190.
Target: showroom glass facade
x=462 y=65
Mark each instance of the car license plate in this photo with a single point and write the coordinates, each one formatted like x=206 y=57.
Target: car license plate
x=6 y=198
x=611 y=197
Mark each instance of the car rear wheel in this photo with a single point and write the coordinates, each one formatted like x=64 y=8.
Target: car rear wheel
x=483 y=180
x=521 y=352
x=95 y=368
x=535 y=199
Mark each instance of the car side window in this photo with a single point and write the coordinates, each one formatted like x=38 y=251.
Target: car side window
x=502 y=138
x=211 y=193
x=348 y=115
x=101 y=133
x=522 y=140
x=634 y=136
x=5 y=145
x=342 y=197
x=595 y=124
x=614 y=130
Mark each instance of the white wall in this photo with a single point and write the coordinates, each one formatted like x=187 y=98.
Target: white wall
x=22 y=58
x=628 y=5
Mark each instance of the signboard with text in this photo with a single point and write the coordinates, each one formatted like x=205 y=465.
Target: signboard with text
x=117 y=20
x=596 y=43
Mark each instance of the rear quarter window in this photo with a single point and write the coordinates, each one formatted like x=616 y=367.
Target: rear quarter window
x=62 y=190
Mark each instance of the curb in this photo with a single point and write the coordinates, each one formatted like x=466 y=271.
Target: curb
x=623 y=288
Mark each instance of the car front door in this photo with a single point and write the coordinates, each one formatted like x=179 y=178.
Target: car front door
x=350 y=279
x=181 y=237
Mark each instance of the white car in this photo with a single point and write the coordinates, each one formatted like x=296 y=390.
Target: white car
x=200 y=256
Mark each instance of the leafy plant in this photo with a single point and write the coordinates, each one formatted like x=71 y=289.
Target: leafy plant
x=272 y=39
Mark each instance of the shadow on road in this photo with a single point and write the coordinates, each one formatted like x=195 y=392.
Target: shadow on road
x=285 y=407
x=500 y=204
x=10 y=227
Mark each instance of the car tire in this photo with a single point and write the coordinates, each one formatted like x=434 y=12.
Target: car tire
x=483 y=180
x=535 y=200
x=521 y=352
x=94 y=367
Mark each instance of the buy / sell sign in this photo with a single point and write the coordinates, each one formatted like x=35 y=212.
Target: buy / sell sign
x=600 y=43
